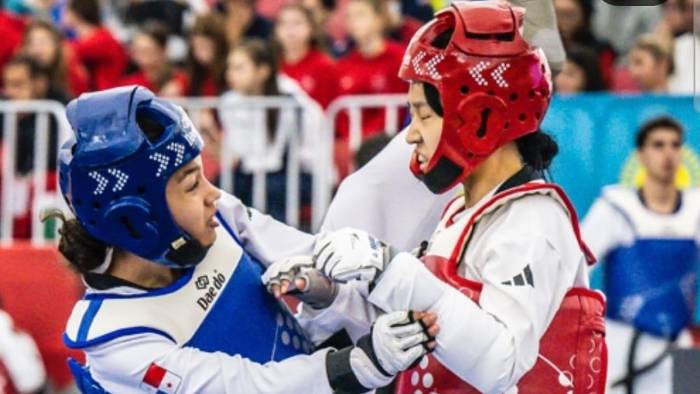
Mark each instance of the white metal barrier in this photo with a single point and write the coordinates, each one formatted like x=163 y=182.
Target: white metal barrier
x=312 y=150
x=12 y=111
x=303 y=142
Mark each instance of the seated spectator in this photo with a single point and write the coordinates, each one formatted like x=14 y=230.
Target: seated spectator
x=206 y=63
x=24 y=79
x=11 y=31
x=243 y=21
x=370 y=68
x=651 y=64
x=154 y=71
x=96 y=47
x=257 y=138
x=580 y=73
x=302 y=56
x=574 y=22
x=44 y=43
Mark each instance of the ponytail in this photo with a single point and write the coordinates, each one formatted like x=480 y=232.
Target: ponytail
x=537 y=149
x=83 y=251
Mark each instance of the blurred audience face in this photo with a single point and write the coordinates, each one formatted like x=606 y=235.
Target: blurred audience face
x=17 y=82
x=649 y=73
x=572 y=79
x=146 y=52
x=203 y=49
x=569 y=17
x=243 y=75
x=293 y=29
x=661 y=154
x=363 y=21
x=41 y=45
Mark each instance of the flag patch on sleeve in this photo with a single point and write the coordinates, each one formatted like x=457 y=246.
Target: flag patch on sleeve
x=159 y=380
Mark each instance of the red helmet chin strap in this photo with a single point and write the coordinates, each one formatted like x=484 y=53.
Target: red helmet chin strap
x=493 y=86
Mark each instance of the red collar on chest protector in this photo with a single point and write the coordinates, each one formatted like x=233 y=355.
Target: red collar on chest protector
x=572 y=356
x=494 y=87
x=508 y=195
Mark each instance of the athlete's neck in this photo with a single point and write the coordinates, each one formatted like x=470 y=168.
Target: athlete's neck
x=496 y=169
x=660 y=196
x=141 y=272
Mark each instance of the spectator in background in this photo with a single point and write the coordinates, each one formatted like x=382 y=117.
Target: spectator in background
x=401 y=27
x=25 y=79
x=11 y=31
x=243 y=21
x=96 y=47
x=574 y=22
x=154 y=71
x=21 y=367
x=206 y=64
x=258 y=138
x=370 y=68
x=648 y=241
x=302 y=56
x=621 y=25
x=580 y=73
x=44 y=43
x=678 y=20
x=651 y=64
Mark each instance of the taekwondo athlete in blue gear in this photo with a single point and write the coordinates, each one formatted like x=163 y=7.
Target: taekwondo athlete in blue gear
x=649 y=264
x=213 y=328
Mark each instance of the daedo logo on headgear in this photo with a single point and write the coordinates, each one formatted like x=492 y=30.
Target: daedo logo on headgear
x=212 y=284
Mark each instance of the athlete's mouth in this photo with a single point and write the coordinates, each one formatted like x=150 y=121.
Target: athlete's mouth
x=422 y=160
x=212 y=222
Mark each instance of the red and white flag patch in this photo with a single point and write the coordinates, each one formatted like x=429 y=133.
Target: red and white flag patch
x=159 y=380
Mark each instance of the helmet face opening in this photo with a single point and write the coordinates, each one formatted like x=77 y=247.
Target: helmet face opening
x=493 y=87
x=116 y=187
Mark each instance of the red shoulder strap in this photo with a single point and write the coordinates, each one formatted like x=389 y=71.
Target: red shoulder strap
x=528 y=188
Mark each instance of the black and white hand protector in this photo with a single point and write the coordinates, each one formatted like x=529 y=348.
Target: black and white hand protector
x=318 y=292
x=349 y=254
x=395 y=343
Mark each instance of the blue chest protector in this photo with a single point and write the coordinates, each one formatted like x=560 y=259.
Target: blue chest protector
x=651 y=282
x=219 y=305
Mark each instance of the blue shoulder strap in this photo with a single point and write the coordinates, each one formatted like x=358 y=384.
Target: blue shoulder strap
x=85 y=382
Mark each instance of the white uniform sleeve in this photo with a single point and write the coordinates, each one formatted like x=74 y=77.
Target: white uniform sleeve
x=492 y=345
x=267 y=239
x=350 y=311
x=20 y=356
x=604 y=228
x=386 y=200
x=120 y=366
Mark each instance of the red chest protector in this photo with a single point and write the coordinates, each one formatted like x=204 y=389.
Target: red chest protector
x=573 y=353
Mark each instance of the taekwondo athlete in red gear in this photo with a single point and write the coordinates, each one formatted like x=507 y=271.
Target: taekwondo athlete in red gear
x=506 y=271
x=174 y=303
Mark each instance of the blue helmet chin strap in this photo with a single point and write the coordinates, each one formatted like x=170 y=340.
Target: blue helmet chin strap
x=114 y=172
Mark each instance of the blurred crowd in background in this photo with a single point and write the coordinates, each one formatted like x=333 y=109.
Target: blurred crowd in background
x=323 y=49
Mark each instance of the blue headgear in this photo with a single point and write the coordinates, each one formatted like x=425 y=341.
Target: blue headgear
x=113 y=177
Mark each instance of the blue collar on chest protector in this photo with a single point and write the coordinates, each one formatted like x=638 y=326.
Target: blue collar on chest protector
x=113 y=176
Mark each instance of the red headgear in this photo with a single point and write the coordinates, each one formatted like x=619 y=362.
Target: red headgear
x=494 y=87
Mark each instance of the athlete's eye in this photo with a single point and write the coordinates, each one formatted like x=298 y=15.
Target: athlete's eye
x=425 y=117
x=194 y=185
